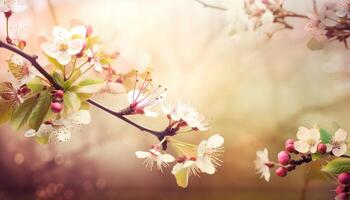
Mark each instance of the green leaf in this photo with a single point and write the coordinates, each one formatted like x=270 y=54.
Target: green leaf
x=75 y=76
x=325 y=136
x=90 y=81
x=316 y=156
x=56 y=64
x=40 y=110
x=5 y=111
x=21 y=114
x=42 y=139
x=71 y=101
x=58 y=77
x=35 y=85
x=337 y=166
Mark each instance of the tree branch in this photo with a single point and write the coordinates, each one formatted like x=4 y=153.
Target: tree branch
x=206 y=5
x=33 y=60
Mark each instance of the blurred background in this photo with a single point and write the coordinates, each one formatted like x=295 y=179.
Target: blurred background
x=254 y=93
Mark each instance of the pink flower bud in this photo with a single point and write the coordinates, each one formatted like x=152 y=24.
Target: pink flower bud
x=59 y=94
x=283 y=158
x=321 y=148
x=289 y=141
x=56 y=107
x=340 y=189
x=265 y=1
x=290 y=148
x=89 y=30
x=344 y=178
x=281 y=172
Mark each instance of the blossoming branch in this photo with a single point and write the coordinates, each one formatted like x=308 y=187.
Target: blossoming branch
x=53 y=101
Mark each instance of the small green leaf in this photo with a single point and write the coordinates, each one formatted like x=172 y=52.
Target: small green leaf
x=90 y=81
x=42 y=139
x=325 y=136
x=58 y=77
x=40 y=110
x=337 y=166
x=21 y=114
x=35 y=85
x=56 y=64
x=71 y=101
x=316 y=156
x=5 y=111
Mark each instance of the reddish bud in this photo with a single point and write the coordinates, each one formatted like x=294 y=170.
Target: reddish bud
x=340 y=189
x=56 y=107
x=290 y=148
x=24 y=90
x=281 y=172
x=8 y=14
x=9 y=40
x=283 y=158
x=321 y=148
x=344 y=178
x=59 y=94
x=289 y=141
x=22 y=44
x=265 y=1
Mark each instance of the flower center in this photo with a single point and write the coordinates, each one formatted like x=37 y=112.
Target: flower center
x=311 y=142
x=63 y=47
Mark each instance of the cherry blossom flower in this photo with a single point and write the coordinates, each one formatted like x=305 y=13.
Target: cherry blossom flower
x=61 y=130
x=328 y=14
x=154 y=156
x=261 y=164
x=93 y=58
x=184 y=113
x=183 y=170
x=11 y=6
x=65 y=44
x=315 y=27
x=338 y=144
x=21 y=69
x=208 y=154
x=144 y=98
x=308 y=140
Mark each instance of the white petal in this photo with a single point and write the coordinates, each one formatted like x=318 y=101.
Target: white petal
x=60 y=34
x=302 y=133
x=30 y=133
x=329 y=147
x=63 y=57
x=340 y=135
x=302 y=146
x=266 y=173
x=75 y=46
x=201 y=148
x=167 y=158
x=313 y=148
x=149 y=113
x=205 y=165
x=142 y=154
x=267 y=18
x=79 y=31
x=341 y=150
x=314 y=134
x=49 y=49
x=98 y=67
x=177 y=168
x=189 y=163
x=115 y=88
x=80 y=117
x=215 y=141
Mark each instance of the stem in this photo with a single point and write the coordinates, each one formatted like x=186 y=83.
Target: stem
x=7 y=27
x=206 y=5
x=33 y=60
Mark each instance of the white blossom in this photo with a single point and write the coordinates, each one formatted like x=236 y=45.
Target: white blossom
x=208 y=153
x=338 y=143
x=261 y=164
x=308 y=139
x=154 y=156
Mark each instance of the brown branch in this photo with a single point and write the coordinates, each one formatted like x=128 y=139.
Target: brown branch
x=33 y=60
x=206 y=5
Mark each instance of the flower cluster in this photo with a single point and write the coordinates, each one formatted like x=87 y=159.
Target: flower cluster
x=311 y=144
x=192 y=160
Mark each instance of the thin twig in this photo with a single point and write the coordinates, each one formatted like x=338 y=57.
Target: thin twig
x=206 y=5
x=33 y=60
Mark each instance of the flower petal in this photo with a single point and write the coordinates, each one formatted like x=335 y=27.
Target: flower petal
x=75 y=46
x=142 y=154
x=80 y=117
x=79 y=31
x=205 y=165
x=30 y=133
x=181 y=174
x=215 y=141
x=341 y=150
x=167 y=158
x=302 y=133
x=340 y=135
x=314 y=133
x=60 y=34
x=302 y=146
x=63 y=57
x=201 y=149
